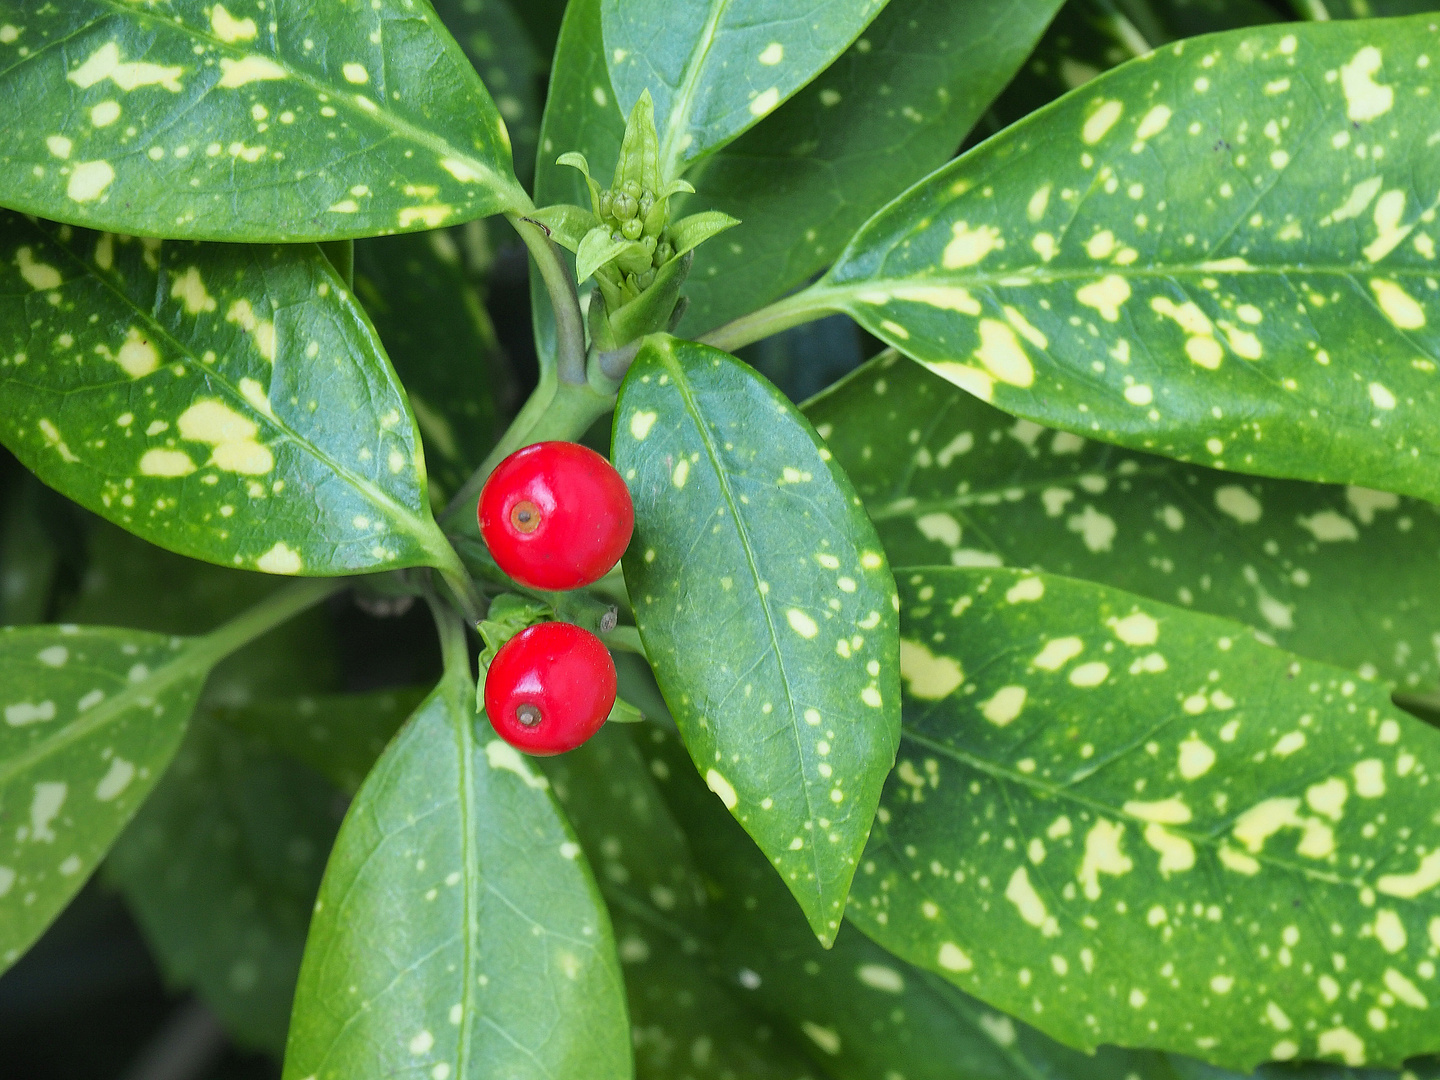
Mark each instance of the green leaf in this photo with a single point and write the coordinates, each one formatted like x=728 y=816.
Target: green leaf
x=1169 y=276
x=766 y=608
x=715 y=69
x=598 y=249
x=434 y=326
x=802 y=181
x=28 y=560
x=209 y=124
x=511 y=67
x=860 y=1011
x=340 y=736
x=455 y=925
x=685 y=1020
x=242 y=384
x=690 y=232
x=221 y=867
x=92 y=717
x=949 y=479
x=568 y=224
x=1238 y=862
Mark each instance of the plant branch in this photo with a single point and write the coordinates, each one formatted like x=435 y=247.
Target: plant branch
x=802 y=307
x=564 y=300
x=454 y=648
x=280 y=606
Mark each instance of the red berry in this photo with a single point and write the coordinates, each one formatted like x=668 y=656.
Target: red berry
x=549 y=688
x=556 y=515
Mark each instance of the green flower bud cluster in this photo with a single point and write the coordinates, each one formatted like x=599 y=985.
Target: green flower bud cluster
x=633 y=212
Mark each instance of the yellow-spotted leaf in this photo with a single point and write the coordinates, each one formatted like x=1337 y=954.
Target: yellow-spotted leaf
x=1222 y=252
x=91 y=718
x=229 y=403
x=1138 y=825
x=766 y=608
x=716 y=68
x=948 y=479
x=247 y=120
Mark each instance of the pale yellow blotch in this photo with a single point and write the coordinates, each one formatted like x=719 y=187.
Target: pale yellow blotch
x=1058 y=652
x=1004 y=706
x=801 y=623
x=280 y=559
x=1389 y=211
x=1153 y=122
x=1409 y=886
x=166 y=463
x=1328 y=797
x=944 y=297
x=1390 y=931
x=970 y=379
x=1035 y=209
x=243 y=315
x=1103 y=855
x=230 y=29
x=1030 y=588
x=37 y=275
x=940 y=527
x=116 y=779
x=431 y=216
x=765 y=102
x=1023 y=326
x=1101 y=245
x=1196 y=758
x=953 y=958
x=1329 y=527
x=1139 y=394
x=1177 y=854
x=502 y=757
x=1171 y=811
x=355 y=73
x=189 y=289
x=1238 y=861
x=105 y=63
x=259 y=400
x=1028 y=902
x=1091 y=674
x=1238 y=504
x=721 y=787
x=1264 y=820
x=1399 y=307
x=249 y=69
x=59 y=145
x=681 y=473
x=640 y=424
x=1137 y=629
x=462 y=170
x=1099 y=122
x=1002 y=355
x=137 y=356
x=88 y=181
x=930 y=677
x=1365 y=99
x=968 y=246
x=1405 y=990
x=1366 y=502
x=1358 y=199
x=1344 y=1043
x=1244 y=343
x=105 y=113
x=772 y=54
x=1369 y=778
x=231 y=435
x=1106 y=296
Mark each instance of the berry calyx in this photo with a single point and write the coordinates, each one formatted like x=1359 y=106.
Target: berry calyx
x=556 y=515
x=549 y=688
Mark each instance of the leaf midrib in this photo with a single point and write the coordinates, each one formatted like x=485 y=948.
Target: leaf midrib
x=414 y=524
x=682 y=384
x=397 y=125
x=678 y=122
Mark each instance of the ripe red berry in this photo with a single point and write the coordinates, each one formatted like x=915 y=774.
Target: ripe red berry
x=556 y=515
x=549 y=688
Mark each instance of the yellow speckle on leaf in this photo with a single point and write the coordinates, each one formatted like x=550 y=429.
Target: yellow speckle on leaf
x=1001 y=353
x=231 y=435
x=242 y=72
x=280 y=559
x=1365 y=99
x=930 y=677
x=37 y=275
x=189 y=288
x=168 y=463
x=1398 y=305
x=968 y=246
x=1099 y=122
x=88 y=180
x=1106 y=296
x=355 y=73
x=721 y=787
x=105 y=63
x=230 y=29
x=763 y=103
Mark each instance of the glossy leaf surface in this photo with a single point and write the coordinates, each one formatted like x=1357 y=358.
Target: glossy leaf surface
x=948 y=479
x=436 y=331
x=860 y=1011
x=284 y=122
x=221 y=867
x=892 y=108
x=228 y=403
x=1238 y=862
x=1221 y=252
x=92 y=717
x=716 y=68
x=766 y=608
x=457 y=930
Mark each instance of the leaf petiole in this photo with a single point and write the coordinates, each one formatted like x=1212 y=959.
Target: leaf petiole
x=795 y=310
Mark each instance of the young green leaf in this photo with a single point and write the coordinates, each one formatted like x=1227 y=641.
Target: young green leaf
x=715 y=69
x=209 y=124
x=510 y=66
x=221 y=867
x=432 y=321
x=92 y=717
x=340 y=736
x=949 y=479
x=229 y=403
x=766 y=608
x=888 y=111
x=1139 y=825
x=1221 y=252
x=456 y=931
x=860 y=1011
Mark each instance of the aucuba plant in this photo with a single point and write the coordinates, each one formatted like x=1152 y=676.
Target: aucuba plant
x=1053 y=694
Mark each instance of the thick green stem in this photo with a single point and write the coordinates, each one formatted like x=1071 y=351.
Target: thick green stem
x=564 y=300
x=454 y=648
x=1314 y=10
x=280 y=606
x=796 y=310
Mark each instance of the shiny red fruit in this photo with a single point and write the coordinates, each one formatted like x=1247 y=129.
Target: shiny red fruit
x=549 y=688
x=556 y=515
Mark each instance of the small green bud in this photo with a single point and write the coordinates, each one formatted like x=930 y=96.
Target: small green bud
x=647 y=203
x=632 y=229
x=633 y=189
x=645 y=280
x=655 y=220
x=648 y=243
x=606 y=199
x=617 y=236
x=664 y=252
x=633 y=261
x=624 y=206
